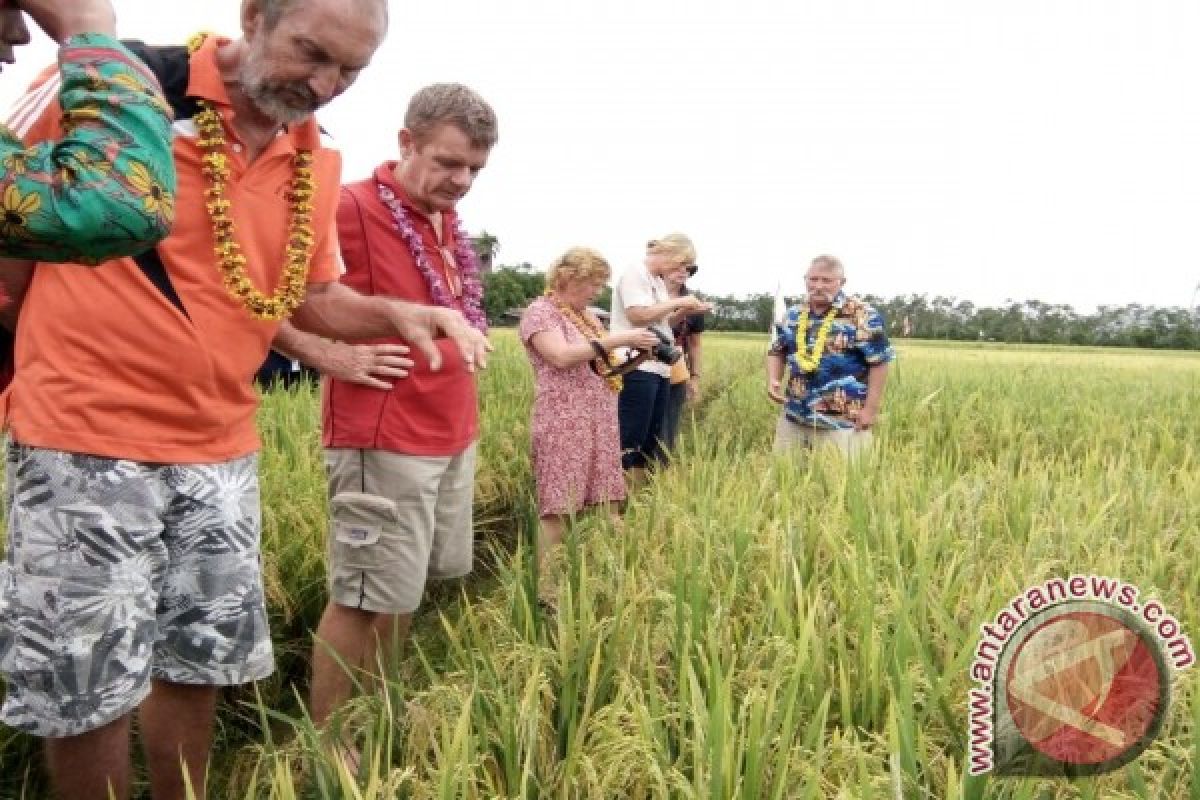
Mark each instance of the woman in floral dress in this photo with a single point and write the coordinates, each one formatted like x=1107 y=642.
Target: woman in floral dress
x=576 y=443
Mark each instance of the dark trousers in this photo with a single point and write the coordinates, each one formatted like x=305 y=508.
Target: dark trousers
x=279 y=370
x=641 y=409
x=676 y=397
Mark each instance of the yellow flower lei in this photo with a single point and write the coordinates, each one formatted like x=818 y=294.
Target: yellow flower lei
x=230 y=259
x=590 y=331
x=810 y=359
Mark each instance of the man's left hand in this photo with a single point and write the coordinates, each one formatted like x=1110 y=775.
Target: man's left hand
x=865 y=420
x=421 y=325
x=373 y=365
x=693 y=389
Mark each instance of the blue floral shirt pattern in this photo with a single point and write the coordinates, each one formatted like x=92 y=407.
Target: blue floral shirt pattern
x=831 y=397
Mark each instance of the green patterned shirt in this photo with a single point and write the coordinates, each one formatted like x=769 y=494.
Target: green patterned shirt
x=105 y=187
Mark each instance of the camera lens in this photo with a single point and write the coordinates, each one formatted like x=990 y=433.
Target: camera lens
x=666 y=351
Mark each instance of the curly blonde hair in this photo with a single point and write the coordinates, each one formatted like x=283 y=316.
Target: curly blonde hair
x=577 y=265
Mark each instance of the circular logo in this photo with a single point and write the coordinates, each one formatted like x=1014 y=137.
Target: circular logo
x=1086 y=686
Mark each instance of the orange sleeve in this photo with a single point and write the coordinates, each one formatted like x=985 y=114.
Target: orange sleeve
x=325 y=264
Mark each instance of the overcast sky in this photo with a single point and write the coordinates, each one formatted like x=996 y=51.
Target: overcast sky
x=1029 y=149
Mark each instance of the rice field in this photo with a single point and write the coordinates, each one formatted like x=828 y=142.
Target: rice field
x=761 y=627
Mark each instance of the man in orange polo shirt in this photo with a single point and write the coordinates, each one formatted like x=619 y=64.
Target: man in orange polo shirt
x=401 y=458
x=132 y=575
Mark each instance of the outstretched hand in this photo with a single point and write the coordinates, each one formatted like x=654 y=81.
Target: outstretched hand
x=421 y=325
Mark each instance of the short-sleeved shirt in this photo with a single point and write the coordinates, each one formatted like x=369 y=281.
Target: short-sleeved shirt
x=108 y=365
x=832 y=396
x=637 y=287
x=427 y=413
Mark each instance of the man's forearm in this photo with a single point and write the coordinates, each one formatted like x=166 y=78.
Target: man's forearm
x=774 y=367
x=642 y=316
x=307 y=348
x=338 y=312
x=876 y=380
x=334 y=311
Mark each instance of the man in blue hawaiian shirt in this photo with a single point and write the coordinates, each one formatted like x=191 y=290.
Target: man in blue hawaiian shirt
x=835 y=353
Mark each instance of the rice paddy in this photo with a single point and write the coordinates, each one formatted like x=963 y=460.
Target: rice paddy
x=761 y=626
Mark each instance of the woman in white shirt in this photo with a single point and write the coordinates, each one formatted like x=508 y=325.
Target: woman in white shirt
x=641 y=300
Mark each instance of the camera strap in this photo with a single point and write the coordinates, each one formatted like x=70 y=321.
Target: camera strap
x=635 y=360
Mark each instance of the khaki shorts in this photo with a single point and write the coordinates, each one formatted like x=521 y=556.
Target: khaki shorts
x=789 y=436
x=395 y=521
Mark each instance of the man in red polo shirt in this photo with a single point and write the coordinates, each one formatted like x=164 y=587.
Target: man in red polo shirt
x=132 y=578
x=401 y=459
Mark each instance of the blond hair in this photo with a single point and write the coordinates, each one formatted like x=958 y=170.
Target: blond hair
x=675 y=245
x=453 y=103
x=830 y=263
x=577 y=265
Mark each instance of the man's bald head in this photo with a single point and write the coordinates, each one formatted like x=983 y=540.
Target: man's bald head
x=274 y=10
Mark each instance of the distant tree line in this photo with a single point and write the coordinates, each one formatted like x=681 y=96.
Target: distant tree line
x=1131 y=325
x=510 y=288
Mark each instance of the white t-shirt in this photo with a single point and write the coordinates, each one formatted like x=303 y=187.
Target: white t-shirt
x=637 y=287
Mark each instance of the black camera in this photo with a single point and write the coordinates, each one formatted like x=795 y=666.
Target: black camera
x=666 y=351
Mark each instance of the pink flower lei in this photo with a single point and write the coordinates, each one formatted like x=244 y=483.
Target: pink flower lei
x=464 y=255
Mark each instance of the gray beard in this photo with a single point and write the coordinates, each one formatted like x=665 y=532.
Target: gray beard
x=273 y=109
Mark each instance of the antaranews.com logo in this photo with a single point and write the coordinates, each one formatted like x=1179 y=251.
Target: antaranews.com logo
x=1073 y=678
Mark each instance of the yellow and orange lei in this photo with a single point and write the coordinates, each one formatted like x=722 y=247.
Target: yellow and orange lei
x=230 y=260
x=592 y=331
x=810 y=359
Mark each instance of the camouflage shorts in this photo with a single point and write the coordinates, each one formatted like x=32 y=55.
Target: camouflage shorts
x=118 y=572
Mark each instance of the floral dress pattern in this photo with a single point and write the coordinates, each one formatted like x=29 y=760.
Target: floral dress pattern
x=576 y=442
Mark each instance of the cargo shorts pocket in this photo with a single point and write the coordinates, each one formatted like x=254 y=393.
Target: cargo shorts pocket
x=365 y=531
